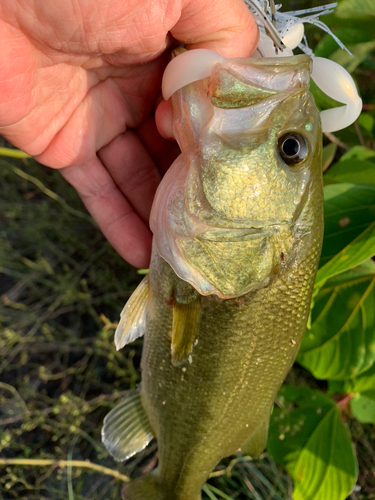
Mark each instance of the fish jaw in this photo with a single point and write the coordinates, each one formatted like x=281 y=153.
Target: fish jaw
x=231 y=178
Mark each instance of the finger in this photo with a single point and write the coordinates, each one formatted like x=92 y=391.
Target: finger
x=164 y=119
x=124 y=229
x=162 y=151
x=133 y=170
x=225 y=26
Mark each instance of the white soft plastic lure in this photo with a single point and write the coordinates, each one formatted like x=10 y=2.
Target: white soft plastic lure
x=279 y=35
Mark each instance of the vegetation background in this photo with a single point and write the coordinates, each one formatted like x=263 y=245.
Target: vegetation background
x=62 y=287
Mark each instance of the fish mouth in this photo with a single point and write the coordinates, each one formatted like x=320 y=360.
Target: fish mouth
x=240 y=234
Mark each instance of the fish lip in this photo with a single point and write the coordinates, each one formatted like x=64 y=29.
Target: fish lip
x=237 y=234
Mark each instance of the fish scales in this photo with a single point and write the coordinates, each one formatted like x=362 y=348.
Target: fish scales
x=238 y=226
x=229 y=399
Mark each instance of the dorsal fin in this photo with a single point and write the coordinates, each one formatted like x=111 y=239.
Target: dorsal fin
x=133 y=317
x=126 y=429
x=184 y=328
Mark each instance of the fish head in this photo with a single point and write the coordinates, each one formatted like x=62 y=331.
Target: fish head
x=251 y=192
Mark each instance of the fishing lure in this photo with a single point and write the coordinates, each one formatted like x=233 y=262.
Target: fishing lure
x=280 y=34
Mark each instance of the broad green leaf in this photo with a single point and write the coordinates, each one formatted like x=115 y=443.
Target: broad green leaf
x=356 y=9
x=353 y=171
x=359 y=54
x=366 y=121
x=341 y=341
x=348 y=36
x=363 y=407
x=327 y=467
x=362 y=404
x=308 y=437
x=366 y=23
x=336 y=386
x=299 y=412
x=359 y=153
x=361 y=384
x=329 y=153
x=356 y=252
x=349 y=210
x=367 y=268
x=354 y=13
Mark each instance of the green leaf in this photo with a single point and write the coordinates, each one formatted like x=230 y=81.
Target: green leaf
x=360 y=384
x=327 y=466
x=365 y=269
x=348 y=36
x=341 y=341
x=329 y=153
x=301 y=410
x=362 y=404
x=354 y=13
x=359 y=54
x=363 y=407
x=349 y=210
x=359 y=153
x=336 y=386
x=358 y=250
x=352 y=171
x=356 y=9
x=308 y=437
x=367 y=122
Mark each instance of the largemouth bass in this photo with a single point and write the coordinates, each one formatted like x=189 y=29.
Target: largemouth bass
x=238 y=226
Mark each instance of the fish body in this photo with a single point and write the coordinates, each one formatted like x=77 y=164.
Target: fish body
x=238 y=225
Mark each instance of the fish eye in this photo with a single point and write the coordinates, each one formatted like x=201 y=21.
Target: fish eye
x=292 y=148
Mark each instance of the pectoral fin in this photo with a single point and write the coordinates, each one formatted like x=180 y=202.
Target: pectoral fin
x=184 y=329
x=133 y=317
x=126 y=429
x=257 y=442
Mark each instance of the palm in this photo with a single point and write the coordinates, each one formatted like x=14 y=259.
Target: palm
x=76 y=76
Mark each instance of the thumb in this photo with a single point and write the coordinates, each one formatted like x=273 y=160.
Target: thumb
x=224 y=26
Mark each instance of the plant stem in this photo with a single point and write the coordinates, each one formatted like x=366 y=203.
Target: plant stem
x=13 y=153
x=39 y=184
x=343 y=403
x=86 y=464
x=335 y=139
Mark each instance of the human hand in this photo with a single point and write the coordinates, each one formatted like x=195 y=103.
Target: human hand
x=78 y=84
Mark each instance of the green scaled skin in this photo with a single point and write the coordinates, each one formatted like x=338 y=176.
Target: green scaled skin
x=238 y=227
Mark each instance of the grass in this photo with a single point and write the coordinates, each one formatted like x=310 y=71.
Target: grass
x=61 y=288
